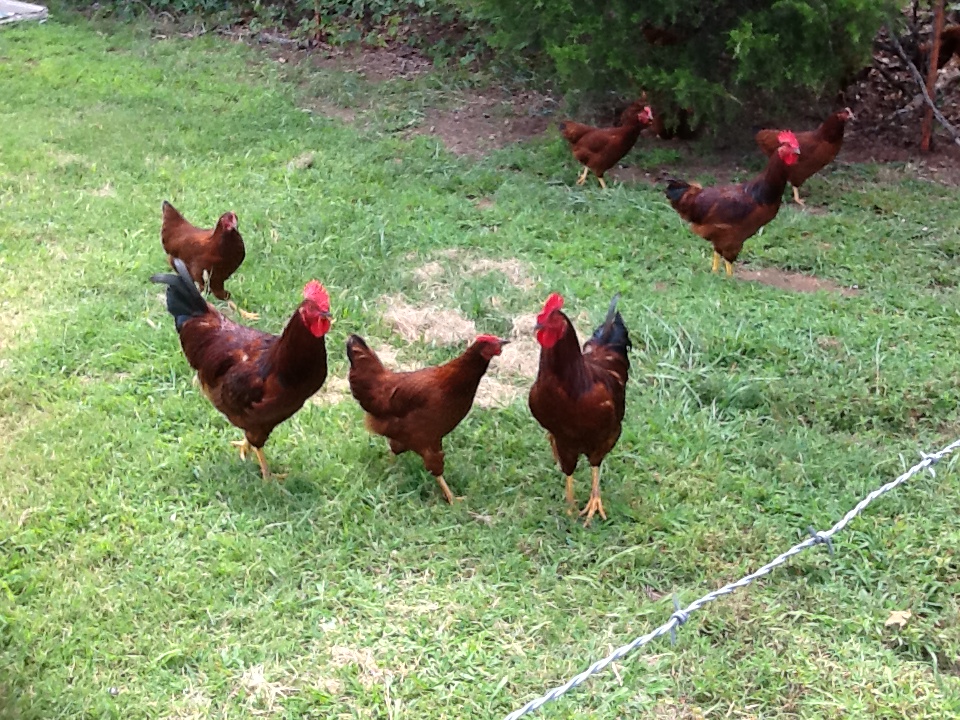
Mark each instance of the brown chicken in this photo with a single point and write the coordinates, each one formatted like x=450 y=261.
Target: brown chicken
x=416 y=410
x=949 y=46
x=727 y=215
x=599 y=149
x=579 y=397
x=818 y=148
x=256 y=379
x=210 y=255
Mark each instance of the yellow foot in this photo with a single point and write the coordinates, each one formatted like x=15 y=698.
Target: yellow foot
x=571 y=499
x=796 y=197
x=445 y=489
x=594 y=505
x=243 y=313
x=602 y=183
x=716 y=262
x=729 y=266
x=244 y=446
x=583 y=176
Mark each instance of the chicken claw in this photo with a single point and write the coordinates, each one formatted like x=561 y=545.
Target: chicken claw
x=796 y=197
x=594 y=505
x=243 y=313
x=245 y=446
x=583 y=176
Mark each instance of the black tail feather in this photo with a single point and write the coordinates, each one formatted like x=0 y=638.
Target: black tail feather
x=184 y=301
x=613 y=332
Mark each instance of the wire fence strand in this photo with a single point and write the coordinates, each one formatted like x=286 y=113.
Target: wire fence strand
x=680 y=616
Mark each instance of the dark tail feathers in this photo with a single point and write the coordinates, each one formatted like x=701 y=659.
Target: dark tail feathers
x=676 y=189
x=184 y=301
x=613 y=333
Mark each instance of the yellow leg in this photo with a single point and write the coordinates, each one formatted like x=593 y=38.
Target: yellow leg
x=602 y=183
x=796 y=196
x=445 y=489
x=729 y=266
x=716 y=261
x=246 y=447
x=571 y=499
x=594 y=505
x=243 y=313
x=583 y=176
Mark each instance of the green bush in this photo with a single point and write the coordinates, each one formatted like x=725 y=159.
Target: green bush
x=714 y=56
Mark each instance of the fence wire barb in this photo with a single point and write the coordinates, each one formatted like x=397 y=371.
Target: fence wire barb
x=680 y=616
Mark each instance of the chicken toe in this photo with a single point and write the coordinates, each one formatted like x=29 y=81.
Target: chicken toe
x=594 y=505
x=583 y=176
x=244 y=446
x=264 y=470
x=243 y=313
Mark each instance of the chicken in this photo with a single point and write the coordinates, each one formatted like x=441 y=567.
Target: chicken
x=599 y=149
x=727 y=215
x=579 y=397
x=256 y=379
x=211 y=256
x=818 y=148
x=949 y=46
x=416 y=410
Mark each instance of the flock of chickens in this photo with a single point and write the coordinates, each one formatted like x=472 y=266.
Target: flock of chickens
x=258 y=380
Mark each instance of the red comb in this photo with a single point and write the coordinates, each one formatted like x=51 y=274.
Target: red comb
x=487 y=339
x=554 y=302
x=315 y=292
x=788 y=138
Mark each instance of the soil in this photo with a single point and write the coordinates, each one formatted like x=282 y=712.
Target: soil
x=793 y=282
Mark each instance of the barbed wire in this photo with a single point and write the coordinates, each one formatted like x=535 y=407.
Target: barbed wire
x=681 y=615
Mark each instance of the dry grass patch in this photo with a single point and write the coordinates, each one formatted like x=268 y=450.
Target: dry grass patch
x=369 y=671
x=430 y=324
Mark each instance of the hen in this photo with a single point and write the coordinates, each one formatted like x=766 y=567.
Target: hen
x=599 y=149
x=256 y=379
x=818 y=148
x=416 y=410
x=727 y=215
x=210 y=255
x=579 y=397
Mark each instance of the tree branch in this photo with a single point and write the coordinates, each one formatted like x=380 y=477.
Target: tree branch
x=954 y=133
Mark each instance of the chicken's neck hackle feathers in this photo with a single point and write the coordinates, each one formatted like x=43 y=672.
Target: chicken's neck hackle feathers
x=184 y=301
x=564 y=361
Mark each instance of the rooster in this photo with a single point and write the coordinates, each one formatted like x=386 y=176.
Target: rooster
x=727 y=215
x=599 y=149
x=210 y=256
x=257 y=380
x=416 y=410
x=818 y=148
x=579 y=396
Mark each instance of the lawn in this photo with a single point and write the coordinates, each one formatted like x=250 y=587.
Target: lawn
x=146 y=572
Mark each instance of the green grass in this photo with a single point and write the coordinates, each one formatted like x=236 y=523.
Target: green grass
x=137 y=552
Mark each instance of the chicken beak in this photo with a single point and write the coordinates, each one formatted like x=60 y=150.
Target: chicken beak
x=503 y=341
x=538 y=327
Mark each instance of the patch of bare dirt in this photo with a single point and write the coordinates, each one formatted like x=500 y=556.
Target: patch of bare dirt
x=487 y=120
x=515 y=271
x=335 y=390
x=793 y=282
x=373 y=64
